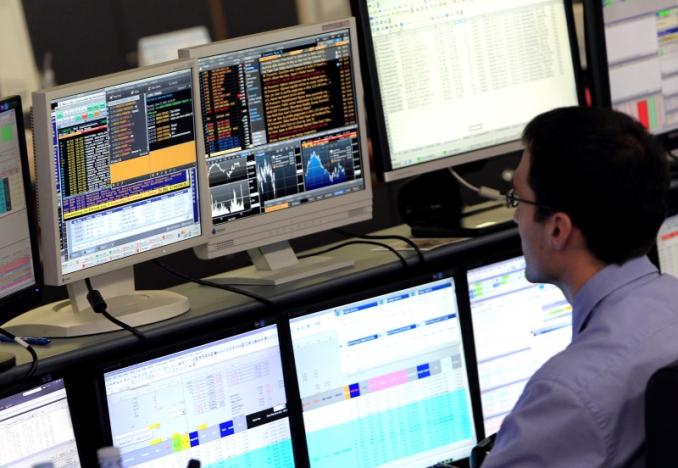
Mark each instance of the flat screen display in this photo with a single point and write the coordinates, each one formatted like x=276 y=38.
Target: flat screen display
x=383 y=381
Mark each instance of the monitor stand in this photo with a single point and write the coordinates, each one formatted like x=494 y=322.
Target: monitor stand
x=277 y=264
x=74 y=316
x=431 y=204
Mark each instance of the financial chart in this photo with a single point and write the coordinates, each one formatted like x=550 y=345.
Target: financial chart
x=222 y=403
x=285 y=114
x=383 y=381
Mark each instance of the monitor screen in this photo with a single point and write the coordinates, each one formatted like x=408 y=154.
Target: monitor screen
x=517 y=326
x=17 y=249
x=383 y=381
x=667 y=246
x=222 y=403
x=283 y=135
x=36 y=427
x=456 y=81
x=123 y=180
x=642 y=55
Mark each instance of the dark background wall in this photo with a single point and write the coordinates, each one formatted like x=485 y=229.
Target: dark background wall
x=90 y=38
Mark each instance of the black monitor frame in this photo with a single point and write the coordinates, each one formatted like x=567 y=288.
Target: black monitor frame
x=289 y=364
x=374 y=104
x=27 y=298
x=80 y=432
x=231 y=330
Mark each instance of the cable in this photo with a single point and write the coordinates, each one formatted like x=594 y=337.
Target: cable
x=344 y=244
x=483 y=191
x=211 y=284
x=407 y=240
x=96 y=300
x=27 y=347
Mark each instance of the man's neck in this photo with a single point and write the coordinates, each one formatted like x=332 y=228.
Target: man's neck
x=577 y=274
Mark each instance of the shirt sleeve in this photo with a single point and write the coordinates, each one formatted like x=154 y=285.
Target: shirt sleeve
x=549 y=426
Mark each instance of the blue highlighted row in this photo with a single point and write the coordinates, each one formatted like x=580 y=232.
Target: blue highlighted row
x=360 y=307
x=391 y=435
x=363 y=340
x=401 y=329
x=434 y=288
x=440 y=319
x=278 y=455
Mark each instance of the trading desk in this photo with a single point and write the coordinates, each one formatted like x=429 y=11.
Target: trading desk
x=214 y=308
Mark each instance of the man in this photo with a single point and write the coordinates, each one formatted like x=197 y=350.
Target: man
x=590 y=194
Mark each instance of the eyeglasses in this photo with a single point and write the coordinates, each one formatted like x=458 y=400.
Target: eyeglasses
x=513 y=200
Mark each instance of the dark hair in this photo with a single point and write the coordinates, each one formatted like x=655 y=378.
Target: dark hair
x=606 y=172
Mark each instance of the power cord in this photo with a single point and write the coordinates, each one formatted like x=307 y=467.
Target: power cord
x=483 y=191
x=344 y=244
x=27 y=347
x=404 y=239
x=96 y=300
x=211 y=284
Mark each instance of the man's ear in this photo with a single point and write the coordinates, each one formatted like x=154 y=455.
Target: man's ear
x=560 y=230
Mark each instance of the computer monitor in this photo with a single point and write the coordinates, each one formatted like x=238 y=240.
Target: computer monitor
x=37 y=427
x=119 y=182
x=383 y=380
x=517 y=326
x=222 y=403
x=163 y=47
x=451 y=82
x=641 y=67
x=20 y=273
x=667 y=246
x=285 y=145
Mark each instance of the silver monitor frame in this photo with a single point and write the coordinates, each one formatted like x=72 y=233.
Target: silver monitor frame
x=265 y=229
x=46 y=176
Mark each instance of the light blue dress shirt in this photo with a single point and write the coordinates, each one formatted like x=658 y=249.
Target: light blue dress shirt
x=585 y=406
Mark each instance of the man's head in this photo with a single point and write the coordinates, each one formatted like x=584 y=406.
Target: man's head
x=599 y=172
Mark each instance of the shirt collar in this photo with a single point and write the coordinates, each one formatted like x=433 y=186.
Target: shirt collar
x=603 y=283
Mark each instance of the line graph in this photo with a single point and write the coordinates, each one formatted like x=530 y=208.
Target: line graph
x=327 y=164
x=230 y=198
x=276 y=173
x=223 y=171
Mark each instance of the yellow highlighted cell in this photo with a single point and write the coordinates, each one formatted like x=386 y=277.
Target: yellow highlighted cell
x=155 y=161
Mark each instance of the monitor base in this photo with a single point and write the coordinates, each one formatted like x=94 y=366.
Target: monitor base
x=60 y=320
x=7 y=361
x=306 y=268
x=277 y=264
x=431 y=205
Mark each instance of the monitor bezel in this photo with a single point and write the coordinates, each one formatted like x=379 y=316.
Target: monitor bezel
x=265 y=228
x=377 y=122
x=46 y=177
x=20 y=301
x=226 y=332
x=467 y=343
